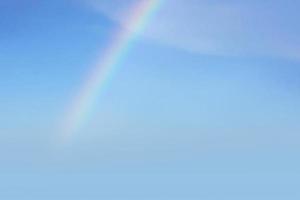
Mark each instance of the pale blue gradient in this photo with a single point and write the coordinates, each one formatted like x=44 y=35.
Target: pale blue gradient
x=172 y=124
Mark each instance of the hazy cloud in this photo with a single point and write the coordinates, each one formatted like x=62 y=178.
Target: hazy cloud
x=219 y=27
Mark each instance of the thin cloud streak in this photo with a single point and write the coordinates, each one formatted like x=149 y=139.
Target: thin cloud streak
x=214 y=28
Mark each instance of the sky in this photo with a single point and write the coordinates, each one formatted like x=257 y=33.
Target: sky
x=201 y=100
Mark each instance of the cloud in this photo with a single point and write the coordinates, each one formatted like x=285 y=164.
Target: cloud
x=116 y=10
x=233 y=28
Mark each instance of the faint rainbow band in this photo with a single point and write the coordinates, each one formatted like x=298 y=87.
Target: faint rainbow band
x=80 y=110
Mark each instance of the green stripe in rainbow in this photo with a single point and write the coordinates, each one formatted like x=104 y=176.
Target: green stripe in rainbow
x=82 y=104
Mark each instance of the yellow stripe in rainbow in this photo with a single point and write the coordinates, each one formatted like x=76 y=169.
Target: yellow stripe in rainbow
x=81 y=106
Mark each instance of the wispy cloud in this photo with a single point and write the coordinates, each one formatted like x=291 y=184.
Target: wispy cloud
x=233 y=28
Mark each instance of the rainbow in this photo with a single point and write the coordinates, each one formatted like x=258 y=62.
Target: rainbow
x=81 y=106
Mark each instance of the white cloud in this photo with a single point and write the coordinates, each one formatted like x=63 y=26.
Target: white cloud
x=219 y=28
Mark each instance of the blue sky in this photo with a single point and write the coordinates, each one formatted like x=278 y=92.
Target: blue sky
x=205 y=105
